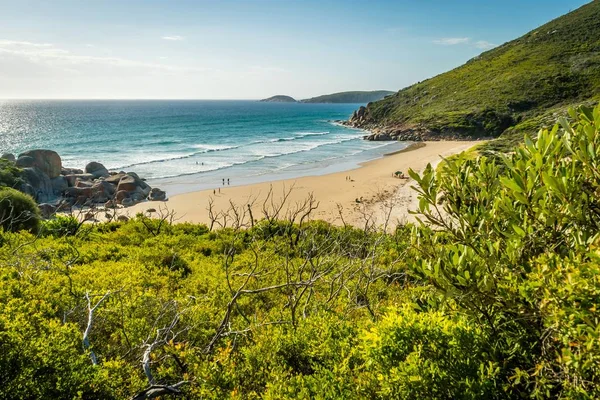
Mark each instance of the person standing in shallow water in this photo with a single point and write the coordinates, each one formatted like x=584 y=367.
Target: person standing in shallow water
x=223 y=181
x=228 y=181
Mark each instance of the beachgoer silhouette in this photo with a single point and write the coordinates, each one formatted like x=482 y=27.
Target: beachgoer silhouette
x=228 y=181
x=223 y=181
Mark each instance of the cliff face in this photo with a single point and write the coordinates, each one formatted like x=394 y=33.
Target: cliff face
x=503 y=92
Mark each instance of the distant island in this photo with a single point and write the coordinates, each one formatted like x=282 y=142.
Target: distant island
x=279 y=99
x=350 y=97
x=355 y=97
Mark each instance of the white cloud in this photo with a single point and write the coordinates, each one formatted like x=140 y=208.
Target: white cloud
x=483 y=44
x=49 y=55
x=174 y=37
x=17 y=43
x=452 y=41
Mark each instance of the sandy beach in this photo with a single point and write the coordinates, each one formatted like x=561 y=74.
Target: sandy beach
x=363 y=195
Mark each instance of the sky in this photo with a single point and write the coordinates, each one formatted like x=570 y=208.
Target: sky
x=246 y=49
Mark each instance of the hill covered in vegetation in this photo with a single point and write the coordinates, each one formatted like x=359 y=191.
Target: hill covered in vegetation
x=495 y=296
x=514 y=88
x=350 y=97
x=279 y=99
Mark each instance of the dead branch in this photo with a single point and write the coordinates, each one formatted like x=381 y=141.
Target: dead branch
x=160 y=390
x=88 y=329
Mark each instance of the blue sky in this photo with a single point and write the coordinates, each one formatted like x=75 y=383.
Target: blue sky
x=246 y=49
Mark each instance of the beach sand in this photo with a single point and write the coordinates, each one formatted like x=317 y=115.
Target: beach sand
x=372 y=184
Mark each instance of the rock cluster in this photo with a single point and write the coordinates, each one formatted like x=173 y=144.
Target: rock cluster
x=47 y=181
x=381 y=131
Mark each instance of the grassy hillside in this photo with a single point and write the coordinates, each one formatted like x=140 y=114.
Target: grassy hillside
x=505 y=91
x=350 y=97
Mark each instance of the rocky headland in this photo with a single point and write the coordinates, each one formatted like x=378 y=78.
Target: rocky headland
x=57 y=188
x=385 y=131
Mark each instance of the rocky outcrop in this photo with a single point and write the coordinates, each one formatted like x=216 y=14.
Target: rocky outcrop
x=25 y=162
x=115 y=178
x=47 y=161
x=382 y=131
x=72 y=179
x=59 y=185
x=70 y=171
x=127 y=184
x=157 y=195
x=96 y=169
x=51 y=184
x=38 y=185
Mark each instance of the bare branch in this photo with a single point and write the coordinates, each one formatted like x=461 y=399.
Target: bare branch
x=88 y=329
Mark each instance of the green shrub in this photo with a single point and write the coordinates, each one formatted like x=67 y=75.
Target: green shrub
x=426 y=355
x=10 y=174
x=61 y=225
x=488 y=224
x=18 y=211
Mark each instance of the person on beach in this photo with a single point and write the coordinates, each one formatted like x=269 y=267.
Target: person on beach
x=223 y=181
x=228 y=181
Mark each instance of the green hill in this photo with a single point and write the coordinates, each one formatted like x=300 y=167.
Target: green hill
x=279 y=99
x=350 y=97
x=504 y=92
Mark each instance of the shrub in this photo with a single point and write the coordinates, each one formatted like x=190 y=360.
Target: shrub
x=61 y=226
x=489 y=224
x=10 y=175
x=416 y=355
x=18 y=211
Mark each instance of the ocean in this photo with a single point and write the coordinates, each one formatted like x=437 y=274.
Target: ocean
x=183 y=145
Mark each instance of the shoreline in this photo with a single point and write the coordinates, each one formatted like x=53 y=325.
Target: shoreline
x=410 y=147
x=368 y=194
x=195 y=182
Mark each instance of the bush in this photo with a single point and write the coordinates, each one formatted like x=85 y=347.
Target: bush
x=61 y=226
x=10 y=175
x=489 y=224
x=415 y=355
x=18 y=211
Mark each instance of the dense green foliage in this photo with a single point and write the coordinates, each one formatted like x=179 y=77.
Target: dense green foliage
x=350 y=97
x=10 y=174
x=510 y=90
x=18 y=211
x=495 y=295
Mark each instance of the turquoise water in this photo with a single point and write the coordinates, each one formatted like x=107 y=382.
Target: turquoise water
x=191 y=145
